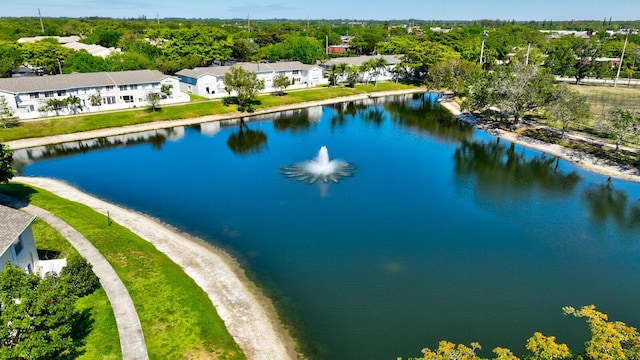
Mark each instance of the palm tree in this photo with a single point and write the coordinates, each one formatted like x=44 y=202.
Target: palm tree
x=377 y=66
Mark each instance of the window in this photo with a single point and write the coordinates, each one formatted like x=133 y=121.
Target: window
x=133 y=87
x=296 y=72
x=109 y=100
x=34 y=95
x=62 y=93
x=48 y=94
x=127 y=98
x=110 y=87
x=18 y=247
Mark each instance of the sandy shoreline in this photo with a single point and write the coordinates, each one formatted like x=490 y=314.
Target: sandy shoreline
x=248 y=315
x=581 y=159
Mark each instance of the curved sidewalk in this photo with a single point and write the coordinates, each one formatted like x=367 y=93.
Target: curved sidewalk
x=132 y=342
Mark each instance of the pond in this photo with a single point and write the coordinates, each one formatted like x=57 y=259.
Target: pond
x=437 y=231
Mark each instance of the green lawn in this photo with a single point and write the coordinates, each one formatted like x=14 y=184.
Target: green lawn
x=178 y=319
x=103 y=341
x=198 y=107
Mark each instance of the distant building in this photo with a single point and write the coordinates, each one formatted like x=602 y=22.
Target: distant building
x=73 y=42
x=27 y=96
x=60 y=39
x=95 y=50
x=385 y=74
x=209 y=81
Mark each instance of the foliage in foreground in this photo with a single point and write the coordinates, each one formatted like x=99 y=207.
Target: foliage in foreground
x=37 y=314
x=6 y=169
x=610 y=340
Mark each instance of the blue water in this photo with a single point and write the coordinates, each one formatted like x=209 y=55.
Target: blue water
x=443 y=232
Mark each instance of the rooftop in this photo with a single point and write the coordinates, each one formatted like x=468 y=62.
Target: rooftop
x=79 y=80
x=258 y=68
x=12 y=223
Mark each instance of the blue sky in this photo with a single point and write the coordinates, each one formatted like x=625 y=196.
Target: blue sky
x=332 y=9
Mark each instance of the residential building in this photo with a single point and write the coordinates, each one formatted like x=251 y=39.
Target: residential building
x=209 y=81
x=73 y=43
x=17 y=246
x=384 y=74
x=28 y=96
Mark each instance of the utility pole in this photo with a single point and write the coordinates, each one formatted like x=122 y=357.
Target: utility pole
x=158 y=18
x=41 y=23
x=624 y=48
x=528 y=51
x=248 y=23
x=484 y=35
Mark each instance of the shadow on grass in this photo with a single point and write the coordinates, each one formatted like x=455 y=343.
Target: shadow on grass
x=15 y=191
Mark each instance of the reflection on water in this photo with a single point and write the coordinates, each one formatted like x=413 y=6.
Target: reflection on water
x=298 y=120
x=156 y=138
x=608 y=204
x=425 y=116
x=500 y=171
x=246 y=141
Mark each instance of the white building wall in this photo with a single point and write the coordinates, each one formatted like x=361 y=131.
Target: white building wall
x=28 y=105
x=27 y=258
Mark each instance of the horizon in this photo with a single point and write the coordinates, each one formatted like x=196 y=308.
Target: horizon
x=328 y=10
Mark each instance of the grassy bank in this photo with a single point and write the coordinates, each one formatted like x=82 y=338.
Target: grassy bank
x=603 y=98
x=197 y=108
x=178 y=319
x=103 y=341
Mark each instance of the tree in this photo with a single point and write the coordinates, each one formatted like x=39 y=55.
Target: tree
x=246 y=85
x=47 y=54
x=352 y=73
x=425 y=55
x=377 y=66
x=450 y=351
x=153 y=99
x=208 y=42
x=83 y=62
x=79 y=275
x=545 y=348
x=296 y=48
x=609 y=340
x=53 y=105
x=7 y=115
x=621 y=124
x=95 y=99
x=513 y=89
x=166 y=89
x=36 y=317
x=6 y=160
x=10 y=59
x=73 y=103
x=451 y=75
x=567 y=106
x=281 y=82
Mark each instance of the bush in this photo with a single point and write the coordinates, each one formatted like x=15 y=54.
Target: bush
x=80 y=277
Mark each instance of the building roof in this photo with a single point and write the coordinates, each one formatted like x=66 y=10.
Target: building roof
x=79 y=80
x=95 y=50
x=359 y=60
x=60 y=39
x=13 y=223
x=258 y=68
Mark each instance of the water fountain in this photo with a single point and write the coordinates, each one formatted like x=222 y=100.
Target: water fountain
x=320 y=168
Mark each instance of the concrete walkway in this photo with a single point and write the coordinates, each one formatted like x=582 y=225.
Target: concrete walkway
x=132 y=342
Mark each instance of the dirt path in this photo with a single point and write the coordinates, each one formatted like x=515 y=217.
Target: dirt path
x=248 y=315
x=585 y=161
